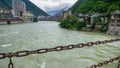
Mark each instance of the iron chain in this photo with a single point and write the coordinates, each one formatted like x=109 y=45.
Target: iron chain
x=58 y=48
x=105 y=62
x=10 y=65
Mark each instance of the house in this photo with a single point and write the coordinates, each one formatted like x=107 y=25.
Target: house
x=103 y=17
x=114 y=26
x=5 y=13
x=84 y=17
x=27 y=16
x=66 y=13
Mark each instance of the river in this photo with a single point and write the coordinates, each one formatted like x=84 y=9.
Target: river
x=32 y=36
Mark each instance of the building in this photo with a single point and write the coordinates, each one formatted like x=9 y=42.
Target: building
x=84 y=17
x=27 y=16
x=114 y=26
x=103 y=17
x=23 y=7
x=5 y=13
x=18 y=8
x=66 y=13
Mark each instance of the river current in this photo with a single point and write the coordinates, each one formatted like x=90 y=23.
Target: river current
x=46 y=34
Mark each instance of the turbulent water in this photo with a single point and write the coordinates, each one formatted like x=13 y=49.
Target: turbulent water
x=32 y=36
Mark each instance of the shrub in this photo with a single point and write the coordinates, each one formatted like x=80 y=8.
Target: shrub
x=80 y=24
x=35 y=19
x=72 y=23
x=65 y=23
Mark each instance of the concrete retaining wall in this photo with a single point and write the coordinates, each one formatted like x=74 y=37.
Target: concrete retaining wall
x=114 y=31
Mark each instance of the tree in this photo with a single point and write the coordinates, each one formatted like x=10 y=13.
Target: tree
x=99 y=6
x=113 y=8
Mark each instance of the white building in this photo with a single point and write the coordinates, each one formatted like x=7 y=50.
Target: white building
x=27 y=16
x=23 y=7
x=18 y=7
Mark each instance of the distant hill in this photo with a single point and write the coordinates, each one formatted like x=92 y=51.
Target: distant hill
x=7 y=4
x=101 y=6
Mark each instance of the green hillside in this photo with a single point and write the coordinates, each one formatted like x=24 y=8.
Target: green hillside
x=30 y=7
x=5 y=4
x=101 y=6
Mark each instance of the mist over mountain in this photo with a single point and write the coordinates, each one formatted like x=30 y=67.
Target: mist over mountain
x=52 y=11
x=7 y=4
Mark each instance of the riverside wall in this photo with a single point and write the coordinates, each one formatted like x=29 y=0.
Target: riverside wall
x=114 y=31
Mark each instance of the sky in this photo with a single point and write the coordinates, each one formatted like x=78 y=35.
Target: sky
x=53 y=4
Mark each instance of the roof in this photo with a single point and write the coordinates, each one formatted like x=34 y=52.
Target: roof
x=116 y=12
x=103 y=14
x=82 y=16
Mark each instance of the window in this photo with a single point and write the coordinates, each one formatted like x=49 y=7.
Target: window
x=118 y=16
x=118 y=25
x=112 y=25
x=118 y=21
x=112 y=21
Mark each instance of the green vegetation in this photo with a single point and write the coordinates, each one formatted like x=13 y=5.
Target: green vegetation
x=30 y=7
x=101 y=6
x=98 y=25
x=5 y=4
x=72 y=23
x=91 y=6
x=35 y=19
x=76 y=24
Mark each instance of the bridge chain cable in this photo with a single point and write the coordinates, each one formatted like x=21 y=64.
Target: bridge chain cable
x=10 y=55
x=106 y=62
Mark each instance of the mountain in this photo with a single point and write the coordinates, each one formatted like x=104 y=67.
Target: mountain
x=76 y=5
x=101 y=6
x=7 y=4
x=52 y=11
x=34 y=9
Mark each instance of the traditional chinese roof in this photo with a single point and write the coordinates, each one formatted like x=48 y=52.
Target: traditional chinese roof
x=82 y=15
x=116 y=12
x=102 y=14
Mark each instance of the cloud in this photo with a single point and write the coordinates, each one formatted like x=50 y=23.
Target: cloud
x=52 y=3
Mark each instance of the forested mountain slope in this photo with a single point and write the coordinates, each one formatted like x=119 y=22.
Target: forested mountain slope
x=101 y=6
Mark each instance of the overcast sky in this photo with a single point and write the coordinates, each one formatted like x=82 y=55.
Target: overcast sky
x=52 y=3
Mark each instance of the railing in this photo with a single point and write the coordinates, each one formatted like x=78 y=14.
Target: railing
x=10 y=19
x=61 y=48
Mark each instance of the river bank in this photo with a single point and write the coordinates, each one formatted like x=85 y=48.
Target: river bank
x=94 y=32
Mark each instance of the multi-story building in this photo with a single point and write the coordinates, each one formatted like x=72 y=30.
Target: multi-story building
x=114 y=27
x=5 y=13
x=18 y=7
x=23 y=7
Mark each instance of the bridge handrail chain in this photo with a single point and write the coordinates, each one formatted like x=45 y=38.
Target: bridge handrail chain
x=10 y=55
x=105 y=62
